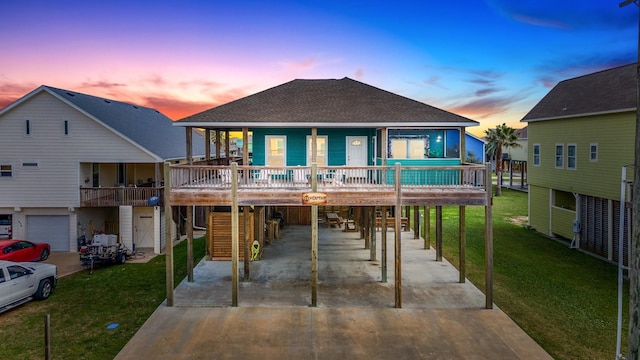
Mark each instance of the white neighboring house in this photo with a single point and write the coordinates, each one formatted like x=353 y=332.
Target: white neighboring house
x=73 y=164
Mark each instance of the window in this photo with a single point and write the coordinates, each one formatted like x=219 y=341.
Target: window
x=321 y=150
x=536 y=154
x=593 y=152
x=5 y=170
x=16 y=271
x=65 y=128
x=276 y=150
x=422 y=144
x=564 y=199
x=559 y=156
x=571 y=156
x=27 y=128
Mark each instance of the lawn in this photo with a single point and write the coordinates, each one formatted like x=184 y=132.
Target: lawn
x=564 y=299
x=84 y=305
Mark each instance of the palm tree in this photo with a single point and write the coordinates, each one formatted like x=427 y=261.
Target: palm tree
x=501 y=136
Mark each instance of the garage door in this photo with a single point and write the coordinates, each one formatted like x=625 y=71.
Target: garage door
x=52 y=229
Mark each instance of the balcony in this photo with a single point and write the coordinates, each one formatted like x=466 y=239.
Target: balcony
x=119 y=196
x=344 y=185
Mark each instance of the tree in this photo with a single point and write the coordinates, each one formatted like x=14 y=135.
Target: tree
x=500 y=137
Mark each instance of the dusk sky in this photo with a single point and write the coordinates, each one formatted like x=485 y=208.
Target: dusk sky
x=489 y=60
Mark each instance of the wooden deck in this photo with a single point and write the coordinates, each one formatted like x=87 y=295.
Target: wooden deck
x=355 y=186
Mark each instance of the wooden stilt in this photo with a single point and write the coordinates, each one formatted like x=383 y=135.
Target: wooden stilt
x=416 y=222
x=246 y=244
x=314 y=240
x=488 y=239
x=367 y=227
x=235 y=234
x=398 y=238
x=427 y=227
x=462 y=243
x=372 y=227
x=168 y=220
x=383 y=232
x=438 y=233
x=190 y=243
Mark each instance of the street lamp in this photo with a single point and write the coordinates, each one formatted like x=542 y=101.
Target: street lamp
x=634 y=267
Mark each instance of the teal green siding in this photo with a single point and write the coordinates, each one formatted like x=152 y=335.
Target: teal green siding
x=421 y=162
x=297 y=147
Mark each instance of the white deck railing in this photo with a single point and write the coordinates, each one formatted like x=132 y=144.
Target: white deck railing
x=299 y=177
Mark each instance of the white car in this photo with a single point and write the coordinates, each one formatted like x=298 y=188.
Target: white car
x=23 y=281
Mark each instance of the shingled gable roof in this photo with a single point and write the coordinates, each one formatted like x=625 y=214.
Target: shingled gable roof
x=607 y=91
x=324 y=103
x=147 y=128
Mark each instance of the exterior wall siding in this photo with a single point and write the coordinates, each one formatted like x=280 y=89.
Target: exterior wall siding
x=562 y=222
x=539 y=209
x=297 y=145
x=56 y=179
x=614 y=135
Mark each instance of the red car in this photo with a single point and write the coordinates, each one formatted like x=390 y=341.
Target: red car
x=23 y=250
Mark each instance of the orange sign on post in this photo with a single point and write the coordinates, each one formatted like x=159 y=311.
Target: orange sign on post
x=314 y=198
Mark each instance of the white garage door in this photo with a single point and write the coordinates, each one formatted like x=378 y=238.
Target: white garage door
x=52 y=229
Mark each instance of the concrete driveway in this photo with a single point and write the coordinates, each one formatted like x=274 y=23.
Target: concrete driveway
x=355 y=318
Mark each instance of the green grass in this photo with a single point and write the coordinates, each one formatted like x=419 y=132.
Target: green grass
x=84 y=305
x=564 y=299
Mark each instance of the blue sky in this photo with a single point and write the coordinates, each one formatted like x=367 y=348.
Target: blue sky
x=489 y=60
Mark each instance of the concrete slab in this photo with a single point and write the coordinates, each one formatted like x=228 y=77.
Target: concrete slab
x=355 y=318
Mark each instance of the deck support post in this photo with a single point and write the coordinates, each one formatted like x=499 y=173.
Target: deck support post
x=427 y=227
x=372 y=227
x=235 y=234
x=416 y=222
x=438 y=233
x=462 y=243
x=383 y=235
x=168 y=222
x=488 y=240
x=218 y=149
x=190 y=243
x=314 y=239
x=367 y=227
x=398 y=238
x=247 y=243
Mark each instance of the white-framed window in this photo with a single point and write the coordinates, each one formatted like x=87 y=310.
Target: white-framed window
x=536 y=154
x=65 y=128
x=27 y=128
x=275 y=150
x=593 y=152
x=559 y=156
x=572 y=150
x=409 y=148
x=6 y=170
x=321 y=150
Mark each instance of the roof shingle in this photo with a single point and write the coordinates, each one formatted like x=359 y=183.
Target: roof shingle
x=601 y=92
x=326 y=102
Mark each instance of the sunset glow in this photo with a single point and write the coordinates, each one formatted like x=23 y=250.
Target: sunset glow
x=489 y=60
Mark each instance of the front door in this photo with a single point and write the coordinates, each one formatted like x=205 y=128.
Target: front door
x=356 y=151
x=356 y=156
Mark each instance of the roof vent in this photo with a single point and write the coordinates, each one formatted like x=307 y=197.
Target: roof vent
x=135 y=107
x=107 y=101
x=564 y=108
x=71 y=94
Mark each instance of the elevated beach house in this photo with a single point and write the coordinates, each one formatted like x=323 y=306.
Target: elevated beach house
x=319 y=144
x=581 y=138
